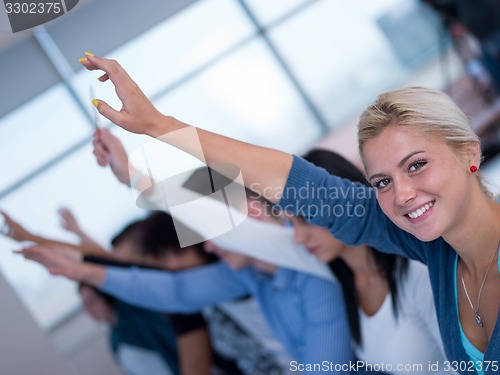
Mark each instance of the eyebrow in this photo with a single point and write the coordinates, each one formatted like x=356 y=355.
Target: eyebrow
x=400 y=164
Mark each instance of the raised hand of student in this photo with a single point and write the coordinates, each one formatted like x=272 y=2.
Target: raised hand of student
x=137 y=115
x=58 y=260
x=15 y=230
x=265 y=170
x=109 y=150
x=68 y=221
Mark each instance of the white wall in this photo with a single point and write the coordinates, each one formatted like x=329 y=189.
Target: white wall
x=25 y=349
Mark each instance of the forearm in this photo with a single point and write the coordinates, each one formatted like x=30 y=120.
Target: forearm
x=87 y=273
x=52 y=243
x=264 y=170
x=84 y=249
x=180 y=292
x=88 y=245
x=93 y=248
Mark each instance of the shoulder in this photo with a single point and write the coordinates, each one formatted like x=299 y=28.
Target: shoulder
x=312 y=287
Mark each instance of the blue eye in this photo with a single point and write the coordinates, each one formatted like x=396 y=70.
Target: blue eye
x=416 y=165
x=382 y=183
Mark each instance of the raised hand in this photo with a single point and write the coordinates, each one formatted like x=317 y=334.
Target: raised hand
x=265 y=170
x=137 y=114
x=68 y=221
x=58 y=260
x=15 y=230
x=110 y=151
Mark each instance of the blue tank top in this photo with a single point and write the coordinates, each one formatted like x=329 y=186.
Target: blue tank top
x=475 y=355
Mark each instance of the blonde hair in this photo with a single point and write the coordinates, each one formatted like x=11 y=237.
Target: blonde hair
x=429 y=112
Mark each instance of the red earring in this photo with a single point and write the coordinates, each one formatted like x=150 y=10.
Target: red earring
x=473 y=168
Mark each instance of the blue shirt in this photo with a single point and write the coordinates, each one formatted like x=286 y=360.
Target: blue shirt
x=363 y=222
x=304 y=312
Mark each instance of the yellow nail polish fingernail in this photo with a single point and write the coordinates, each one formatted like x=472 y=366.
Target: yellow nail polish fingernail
x=82 y=59
x=89 y=54
x=95 y=102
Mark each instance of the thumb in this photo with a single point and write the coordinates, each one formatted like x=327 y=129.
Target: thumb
x=109 y=112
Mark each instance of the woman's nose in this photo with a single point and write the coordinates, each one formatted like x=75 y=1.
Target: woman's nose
x=299 y=234
x=404 y=192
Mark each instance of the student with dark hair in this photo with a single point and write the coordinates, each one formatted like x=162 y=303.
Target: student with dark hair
x=239 y=352
x=297 y=306
x=137 y=332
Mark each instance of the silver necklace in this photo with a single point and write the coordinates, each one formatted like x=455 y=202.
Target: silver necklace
x=479 y=321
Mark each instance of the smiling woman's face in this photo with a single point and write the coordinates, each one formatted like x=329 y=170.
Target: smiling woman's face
x=422 y=185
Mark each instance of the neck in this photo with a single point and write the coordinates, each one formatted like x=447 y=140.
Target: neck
x=476 y=236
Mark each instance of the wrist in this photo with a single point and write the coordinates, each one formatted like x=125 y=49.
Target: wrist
x=34 y=238
x=163 y=125
x=134 y=177
x=91 y=274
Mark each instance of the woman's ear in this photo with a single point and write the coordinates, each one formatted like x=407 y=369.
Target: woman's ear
x=474 y=154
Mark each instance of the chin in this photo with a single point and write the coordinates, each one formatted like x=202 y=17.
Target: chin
x=326 y=258
x=426 y=237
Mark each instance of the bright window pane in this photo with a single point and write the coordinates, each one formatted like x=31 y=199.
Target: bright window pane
x=37 y=132
x=176 y=47
x=268 y=11
x=248 y=97
x=96 y=198
x=342 y=55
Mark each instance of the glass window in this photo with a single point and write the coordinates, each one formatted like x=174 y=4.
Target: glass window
x=177 y=47
x=341 y=55
x=37 y=132
x=103 y=206
x=269 y=11
x=245 y=96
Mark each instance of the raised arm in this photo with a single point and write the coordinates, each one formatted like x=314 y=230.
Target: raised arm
x=180 y=292
x=264 y=170
x=19 y=233
x=109 y=151
x=88 y=244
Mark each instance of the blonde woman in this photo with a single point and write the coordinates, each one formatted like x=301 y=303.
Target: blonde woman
x=422 y=158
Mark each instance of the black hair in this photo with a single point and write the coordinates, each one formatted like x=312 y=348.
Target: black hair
x=156 y=235
x=129 y=233
x=392 y=267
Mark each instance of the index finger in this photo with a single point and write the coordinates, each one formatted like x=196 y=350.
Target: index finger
x=112 y=68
